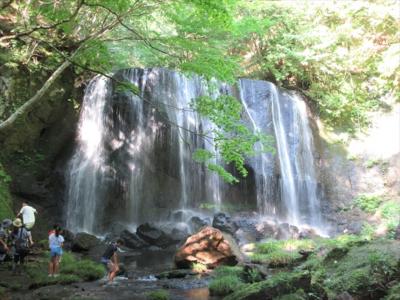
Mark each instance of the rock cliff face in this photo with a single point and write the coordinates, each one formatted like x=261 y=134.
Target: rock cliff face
x=366 y=165
x=33 y=151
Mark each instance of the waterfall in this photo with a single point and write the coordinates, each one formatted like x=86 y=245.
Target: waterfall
x=133 y=157
x=86 y=168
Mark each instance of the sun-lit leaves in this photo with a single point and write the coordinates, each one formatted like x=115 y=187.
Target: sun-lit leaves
x=233 y=139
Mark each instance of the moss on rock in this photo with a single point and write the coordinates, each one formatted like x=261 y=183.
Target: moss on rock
x=362 y=269
x=279 y=284
x=5 y=196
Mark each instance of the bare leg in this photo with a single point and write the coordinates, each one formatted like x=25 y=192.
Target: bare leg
x=113 y=272
x=56 y=264
x=51 y=266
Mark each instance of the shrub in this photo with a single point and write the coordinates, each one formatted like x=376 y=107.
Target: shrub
x=158 y=295
x=368 y=203
x=225 y=285
x=199 y=268
x=394 y=292
x=280 y=253
x=227 y=270
x=71 y=270
x=85 y=269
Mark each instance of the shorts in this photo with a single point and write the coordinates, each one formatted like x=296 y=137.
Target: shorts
x=29 y=225
x=107 y=263
x=55 y=251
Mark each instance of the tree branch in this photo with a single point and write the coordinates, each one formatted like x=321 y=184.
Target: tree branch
x=130 y=29
x=45 y=27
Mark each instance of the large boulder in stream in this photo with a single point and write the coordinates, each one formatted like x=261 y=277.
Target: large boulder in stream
x=224 y=223
x=84 y=242
x=132 y=241
x=154 y=236
x=209 y=247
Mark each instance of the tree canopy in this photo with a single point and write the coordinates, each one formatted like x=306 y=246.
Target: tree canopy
x=342 y=55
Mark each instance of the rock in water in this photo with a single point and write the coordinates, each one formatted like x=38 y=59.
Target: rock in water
x=197 y=223
x=154 y=236
x=224 y=223
x=84 y=242
x=209 y=247
x=132 y=241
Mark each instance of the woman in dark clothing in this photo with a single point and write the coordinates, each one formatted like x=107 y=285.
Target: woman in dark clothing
x=110 y=259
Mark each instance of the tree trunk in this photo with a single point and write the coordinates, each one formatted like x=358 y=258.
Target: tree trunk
x=27 y=106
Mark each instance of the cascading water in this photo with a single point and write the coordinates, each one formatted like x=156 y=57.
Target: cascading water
x=133 y=162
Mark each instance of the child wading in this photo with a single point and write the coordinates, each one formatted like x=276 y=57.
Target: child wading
x=56 y=241
x=110 y=259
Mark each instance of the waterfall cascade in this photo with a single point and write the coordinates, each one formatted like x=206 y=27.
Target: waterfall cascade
x=133 y=162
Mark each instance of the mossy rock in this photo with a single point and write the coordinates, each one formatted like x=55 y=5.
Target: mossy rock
x=158 y=295
x=279 y=284
x=225 y=285
x=72 y=270
x=362 y=269
x=5 y=196
x=278 y=254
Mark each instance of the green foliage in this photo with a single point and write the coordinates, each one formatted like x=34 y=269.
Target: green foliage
x=199 y=267
x=394 y=292
x=158 y=295
x=232 y=138
x=371 y=163
x=390 y=212
x=280 y=283
x=354 y=265
x=228 y=271
x=298 y=295
x=85 y=269
x=221 y=286
x=280 y=253
x=341 y=54
x=368 y=203
x=71 y=270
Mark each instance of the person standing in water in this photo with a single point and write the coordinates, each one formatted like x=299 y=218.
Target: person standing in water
x=110 y=259
x=56 y=241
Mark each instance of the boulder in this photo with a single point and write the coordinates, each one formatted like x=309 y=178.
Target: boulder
x=132 y=241
x=84 y=242
x=267 y=229
x=69 y=236
x=197 y=223
x=154 y=236
x=224 y=223
x=286 y=231
x=209 y=247
x=179 y=234
x=177 y=216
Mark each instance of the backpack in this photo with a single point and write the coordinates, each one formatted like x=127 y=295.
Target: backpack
x=21 y=242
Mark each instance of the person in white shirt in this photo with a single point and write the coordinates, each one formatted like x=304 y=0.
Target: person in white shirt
x=28 y=215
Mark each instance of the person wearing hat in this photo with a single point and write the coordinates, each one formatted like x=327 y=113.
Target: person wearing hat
x=21 y=240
